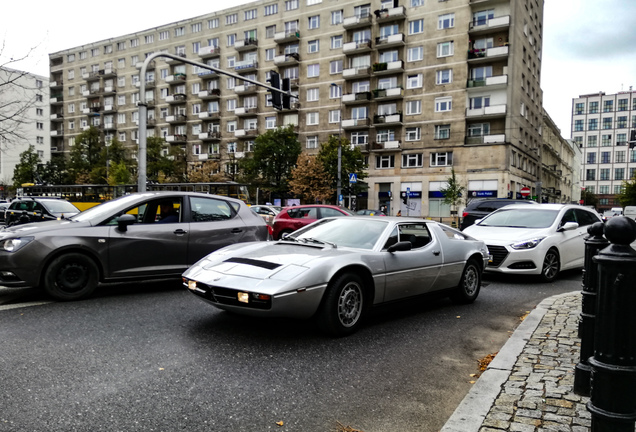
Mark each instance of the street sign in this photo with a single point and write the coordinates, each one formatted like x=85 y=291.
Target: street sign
x=525 y=191
x=353 y=178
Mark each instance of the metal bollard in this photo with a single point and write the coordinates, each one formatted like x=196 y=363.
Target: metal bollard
x=613 y=379
x=593 y=244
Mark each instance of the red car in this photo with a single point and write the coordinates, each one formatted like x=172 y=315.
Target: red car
x=292 y=218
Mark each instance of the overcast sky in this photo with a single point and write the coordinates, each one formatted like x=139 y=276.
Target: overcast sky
x=588 y=45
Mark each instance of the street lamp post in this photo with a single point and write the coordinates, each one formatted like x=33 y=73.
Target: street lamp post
x=339 y=184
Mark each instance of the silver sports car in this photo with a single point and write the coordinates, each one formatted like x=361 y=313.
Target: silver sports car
x=336 y=268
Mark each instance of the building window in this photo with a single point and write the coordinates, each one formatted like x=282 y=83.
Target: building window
x=593 y=107
x=441 y=158
x=270 y=122
x=446 y=21
x=619 y=174
x=414 y=107
x=312 y=141
x=313 y=70
x=271 y=9
x=312 y=118
x=359 y=138
x=313 y=46
x=445 y=49
x=335 y=91
x=444 y=76
x=606 y=157
x=622 y=105
x=231 y=19
x=335 y=66
x=250 y=15
x=416 y=26
x=312 y=95
x=149 y=39
x=592 y=141
x=578 y=107
x=314 y=22
x=384 y=162
x=334 y=116
x=443 y=104
x=231 y=39
x=621 y=122
x=414 y=81
x=336 y=17
x=313 y=2
x=291 y=4
x=415 y=54
x=213 y=23
x=415 y=3
x=94 y=52
x=603 y=189
x=336 y=42
x=415 y=160
x=606 y=140
x=592 y=124
x=413 y=134
x=442 y=131
x=607 y=123
x=591 y=158
x=608 y=106
x=70 y=58
x=578 y=125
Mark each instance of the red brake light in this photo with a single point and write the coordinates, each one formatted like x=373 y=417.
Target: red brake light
x=464 y=214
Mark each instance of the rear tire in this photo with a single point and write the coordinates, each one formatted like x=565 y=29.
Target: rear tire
x=283 y=232
x=72 y=276
x=551 y=266
x=343 y=306
x=469 y=285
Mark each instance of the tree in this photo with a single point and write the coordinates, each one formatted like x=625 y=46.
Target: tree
x=453 y=193
x=85 y=157
x=25 y=170
x=310 y=181
x=205 y=172
x=589 y=199
x=55 y=171
x=352 y=162
x=274 y=156
x=627 y=196
x=119 y=173
x=158 y=166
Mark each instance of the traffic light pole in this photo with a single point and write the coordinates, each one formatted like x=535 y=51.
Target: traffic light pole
x=143 y=106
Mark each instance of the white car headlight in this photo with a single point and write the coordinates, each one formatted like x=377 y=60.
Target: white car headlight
x=527 y=244
x=15 y=244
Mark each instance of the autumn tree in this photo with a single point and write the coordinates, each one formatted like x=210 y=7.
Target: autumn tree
x=206 y=172
x=274 y=156
x=453 y=192
x=25 y=170
x=352 y=162
x=310 y=181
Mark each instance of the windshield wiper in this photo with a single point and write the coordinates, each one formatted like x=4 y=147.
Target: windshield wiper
x=316 y=241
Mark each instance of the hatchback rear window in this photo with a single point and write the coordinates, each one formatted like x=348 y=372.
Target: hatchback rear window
x=303 y=212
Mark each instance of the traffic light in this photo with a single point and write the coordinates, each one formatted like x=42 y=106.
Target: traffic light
x=285 y=97
x=279 y=100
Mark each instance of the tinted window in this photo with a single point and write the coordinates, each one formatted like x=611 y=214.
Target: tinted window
x=329 y=212
x=585 y=217
x=209 y=209
x=303 y=212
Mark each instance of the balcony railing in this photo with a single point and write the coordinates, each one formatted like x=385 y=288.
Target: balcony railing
x=245 y=65
x=388 y=67
x=386 y=145
x=357 y=21
x=246 y=44
x=390 y=14
x=356 y=72
x=386 y=94
x=487 y=24
x=287 y=36
x=176 y=98
x=353 y=98
x=209 y=94
x=176 y=138
x=355 y=123
x=357 y=46
x=500 y=80
x=488 y=52
x=389 y=41
x=388 y=119
x=495 y=110
x=287 y=59
x=486 y=139
x=209 y=51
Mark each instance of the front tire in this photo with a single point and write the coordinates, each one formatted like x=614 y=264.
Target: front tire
x=551 y=266
x=72 y=276
x=469 y=285
x=283 y=232
x=343 y=306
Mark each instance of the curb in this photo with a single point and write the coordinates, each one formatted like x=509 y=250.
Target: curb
x=473 y=409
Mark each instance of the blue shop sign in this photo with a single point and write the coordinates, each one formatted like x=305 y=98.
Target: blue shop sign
x=483 y=194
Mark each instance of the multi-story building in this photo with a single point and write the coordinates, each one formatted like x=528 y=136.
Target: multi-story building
x=421 y=87
x=24 y=113
x=559 y=172
x=600 y=127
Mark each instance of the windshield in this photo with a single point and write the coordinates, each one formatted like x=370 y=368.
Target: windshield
x=105 y=209
x=345 y=232
x=59 y=206
x=520 y=218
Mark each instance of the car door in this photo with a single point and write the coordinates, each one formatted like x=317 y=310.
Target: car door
x=213 y=225
x=302 y=216
x=412 y=272
x=148 y=247
x=571 y=243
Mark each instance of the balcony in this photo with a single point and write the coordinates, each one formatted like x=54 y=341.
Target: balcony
x=354 y=73
x=171 y=61
x=246 y=44
x=96 y=91
x=293 y=106
x=151 y=122
x=210 y=115
x=57 y=132
x=355 y=123
x=287 y=59
x=237 y=155
x=57 y=117
x=149 y=84
x=388 y=94
x=246 y=88
x=246 y=66
x=490 y=111
x=287 y=36
x=487 y=54
x=357 y=21
x=388 y=68
x=294 y=82
x=108 y=72
x=394 y=40
x=209 y=52
x=110 y=126
x=56 y=83
x=109 y=89
x=92 y=75
x=209 y=94
x=210 y=136
x=176 y=78
x=391 y=14
x=386 y=146
x=177 y=118
x=357 y=47
x=207 y=74
x=486 y=139
x=245 y=111
x=356 y=98
x=151 y=65
x=388 y=119
x=246 y=133
x=480 y=26
x=495 y=82
x=56 y=99
x=177 y=138
x=109 y=108
x=176 y=98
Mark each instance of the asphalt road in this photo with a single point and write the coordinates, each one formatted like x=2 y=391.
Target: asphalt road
x=155 y=358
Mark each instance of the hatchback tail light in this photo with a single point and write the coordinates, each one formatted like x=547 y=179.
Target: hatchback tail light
x=464 y=214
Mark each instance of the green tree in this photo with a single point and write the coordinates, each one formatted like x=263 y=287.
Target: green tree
x=453 y=193
x=627 y=196
x=589 y=199
x=119 y=173
x=310 y=181
x=274 y=156
x=352 y=161
x=56 y=172
x=157 y=165
x=25 y=170
x=85 y=157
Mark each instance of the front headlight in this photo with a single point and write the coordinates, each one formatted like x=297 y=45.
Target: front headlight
x=528 y=244
x=15 y=244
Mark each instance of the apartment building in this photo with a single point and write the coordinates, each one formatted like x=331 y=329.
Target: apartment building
x=420 y=86
x=559 y=166
x=24 y=112
x=601 y=127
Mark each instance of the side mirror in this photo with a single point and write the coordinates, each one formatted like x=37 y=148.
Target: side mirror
x=124 y=220
x=400 y=246
x=568 y=226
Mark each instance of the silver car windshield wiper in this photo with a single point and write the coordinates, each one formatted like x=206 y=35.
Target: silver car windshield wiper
x=313 y=240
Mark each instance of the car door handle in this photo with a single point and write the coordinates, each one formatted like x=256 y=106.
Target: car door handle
x=180 y=232
x=236 y=230
x=436 y=252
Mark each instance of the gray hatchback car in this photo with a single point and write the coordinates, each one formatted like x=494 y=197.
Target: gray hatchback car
x=126 y=239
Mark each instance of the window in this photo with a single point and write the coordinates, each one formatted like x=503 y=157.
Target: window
x=606 y=157
x=359 y=138
x=335 y=91
x=442 y=131
x=606 y=140
x=578 y=108
x=445 y=49
x=384 y=161
x=444 y=76
x=336 y=17
x=213 y=23
x=231 y=39
x=312 y=141
x=592 y=124
x=270 y=54
x=313 y=2
x=413 y=107
x=312 y=95
x=149 y=39
x=622 y=105
x=415 y=3
x=621 y=122
x=443 y=104
x=231 y=104
x=413 y=134
x=231 y=19
x=478 y=129
x=313 y=46
x=593 y=107
x=70 y=58
x=250 y=14
x=82 y=55
x=416 y=26
x=608 y=106
x=313 y=70
x=312 y=118
x=479 y=102
x=94 y=52
x=414 y=81
x=412 y=160
x=335 y=66
x=578 y=125
x=314 y=22
x=603 y=189
x=415 y=54
x=620 y=157
x=442 y=159
x=196 y=46
x=336 y=42
x=271 y=9
x=591 y=158
x=607 y=123
x=291 y=5
x=446 y=21
x=619 y=174
x=334 y=116
x=270 y=122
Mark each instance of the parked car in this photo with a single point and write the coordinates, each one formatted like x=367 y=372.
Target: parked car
x=338 y=268
x=541 y=239
x=478 y=208
x=630 y=212
x=37 y=209
x=369 y=212
x=123 y=240
x=3 y=207
x=267 y=212
x=615 y=211
x=292 y=218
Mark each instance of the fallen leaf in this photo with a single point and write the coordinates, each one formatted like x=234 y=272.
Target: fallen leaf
x=458 y=316
x=280 y=423
x=472 y=382
x=161 y=369
x=473 y=375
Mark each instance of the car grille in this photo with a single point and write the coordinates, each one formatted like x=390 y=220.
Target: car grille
x=499 y=253
x=228 y=296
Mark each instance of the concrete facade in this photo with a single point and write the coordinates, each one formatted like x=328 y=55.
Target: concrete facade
x=420 y=86
x=559 y=170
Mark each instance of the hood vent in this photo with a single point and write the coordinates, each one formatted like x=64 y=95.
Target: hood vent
x=253 y=262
